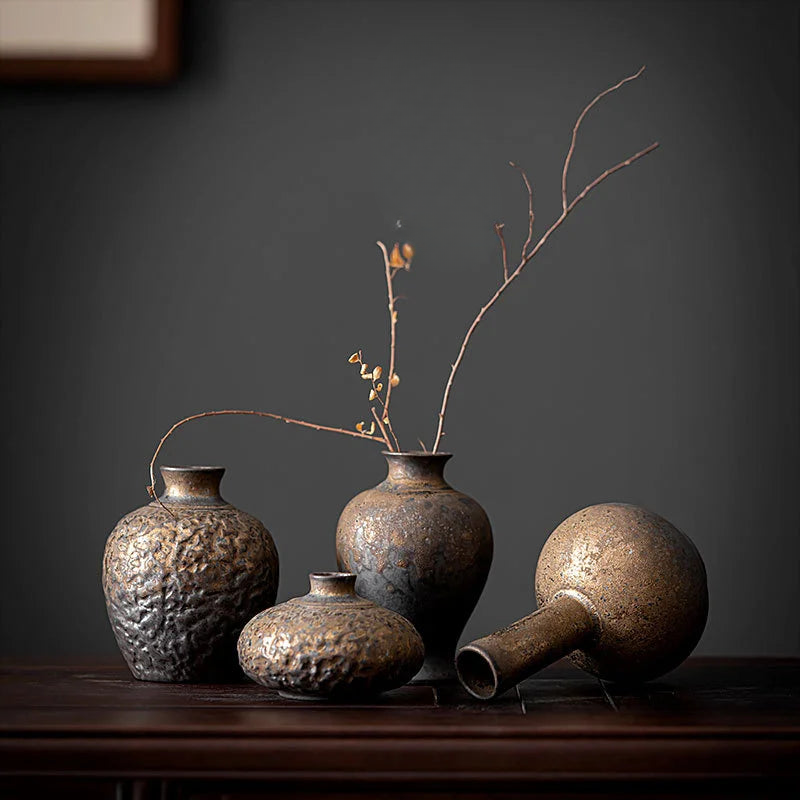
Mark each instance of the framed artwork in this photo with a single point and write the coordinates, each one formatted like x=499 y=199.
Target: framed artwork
x=133 y=41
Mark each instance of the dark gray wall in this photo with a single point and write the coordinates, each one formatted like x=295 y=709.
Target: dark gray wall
x=210 y=244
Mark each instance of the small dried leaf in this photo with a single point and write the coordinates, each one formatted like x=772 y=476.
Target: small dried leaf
x=364 y=368
x=354 y=359
x=372 y=428
x=394 y=316
x=395 y=259
x=372 y=394
x=376 y=373
x=408 y=252
x=395 y=379
x=367 y=377
x=360 y=427
x=385 y=419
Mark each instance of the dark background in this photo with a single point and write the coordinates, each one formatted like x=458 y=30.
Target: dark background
x=210 y=244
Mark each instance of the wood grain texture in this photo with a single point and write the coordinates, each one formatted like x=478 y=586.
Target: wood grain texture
x=712 y=725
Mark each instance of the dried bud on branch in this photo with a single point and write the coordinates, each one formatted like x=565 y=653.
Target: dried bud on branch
x=395 y=259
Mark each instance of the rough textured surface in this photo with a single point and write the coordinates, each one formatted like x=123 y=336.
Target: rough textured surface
x=179 y=589
x=420 y=548
x=330 y=644
x=644 y=581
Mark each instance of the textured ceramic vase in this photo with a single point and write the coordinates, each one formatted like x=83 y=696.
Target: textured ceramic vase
x=182 y=580
x=619 y=589
x=420 y=548
x=330 y=643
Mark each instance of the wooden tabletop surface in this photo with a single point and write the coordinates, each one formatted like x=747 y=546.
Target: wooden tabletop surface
x=727 y=724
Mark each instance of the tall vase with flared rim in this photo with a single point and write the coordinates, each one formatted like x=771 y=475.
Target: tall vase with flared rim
x=421 y=548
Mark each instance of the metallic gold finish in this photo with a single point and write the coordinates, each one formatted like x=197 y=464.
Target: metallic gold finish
x=420 y=548
x=619 y=589
x=181 y=583
x=330 y=643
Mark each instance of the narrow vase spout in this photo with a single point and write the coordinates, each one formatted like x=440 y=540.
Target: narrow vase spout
x=192 y=485
x=489 y=666
x=332 y=584
x=417 y=470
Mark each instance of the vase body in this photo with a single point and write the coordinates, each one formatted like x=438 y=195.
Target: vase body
x=621 y=592
x=420 y=548
x=644 y=581
x=181 y=580
x=330 y=643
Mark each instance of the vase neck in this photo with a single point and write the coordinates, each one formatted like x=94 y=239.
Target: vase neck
x=196 y=486
x=332 y=584
x=417 y=470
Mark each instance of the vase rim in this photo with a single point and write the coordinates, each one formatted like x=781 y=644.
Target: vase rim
x=192 y=468
x=416 y=453
x=331 y=576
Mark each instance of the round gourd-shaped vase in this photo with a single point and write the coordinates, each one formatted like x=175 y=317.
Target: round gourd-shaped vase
x=330 y=643
x=181 y=578
x=620 y=590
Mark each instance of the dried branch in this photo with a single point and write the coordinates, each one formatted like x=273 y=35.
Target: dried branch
x=566 y=209
x=530 y=208
x=152 y=487
x=392 y=321
x=578 y=124
x=381 y=427
x=498 y=229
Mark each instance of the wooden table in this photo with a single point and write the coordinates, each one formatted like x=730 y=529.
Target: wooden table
x=717 y=728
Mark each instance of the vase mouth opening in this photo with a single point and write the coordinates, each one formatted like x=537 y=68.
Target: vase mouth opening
x=191 y=468
x=477 y=673
x=415 y=454
x=331 y=576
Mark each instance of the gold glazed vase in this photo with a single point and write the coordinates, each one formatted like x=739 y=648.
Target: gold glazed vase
x=620 y=591
x=330 y=643
x=182 y=580
x=420 y=548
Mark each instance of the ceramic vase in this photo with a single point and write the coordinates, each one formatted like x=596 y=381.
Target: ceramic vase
x=621 y=592
x=330 y=643
x=420 y=548
x=182 y=577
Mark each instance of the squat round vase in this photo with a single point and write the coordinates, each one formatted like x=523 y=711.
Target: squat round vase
x=330 y=644
x=620 y=590
x=420 y=548
x=181 y=580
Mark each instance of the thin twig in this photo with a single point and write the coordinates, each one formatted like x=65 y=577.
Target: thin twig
x=392 y=325
x=313 y=425
x=498 y=229
x=394 y=436
x=575 y=132
x=530 y=208
x=381 y=427
x=566 y=209
x=514 y=274
x=385 y=416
